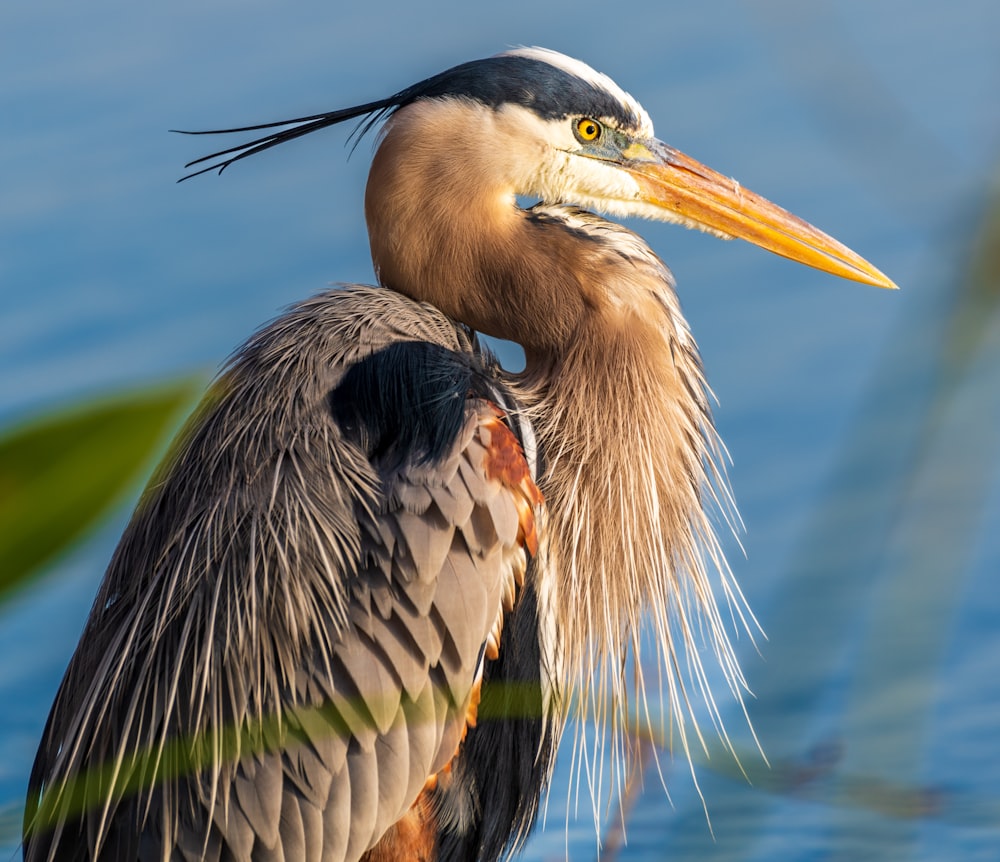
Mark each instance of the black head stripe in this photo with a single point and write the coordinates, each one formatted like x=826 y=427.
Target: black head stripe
x=549 y=91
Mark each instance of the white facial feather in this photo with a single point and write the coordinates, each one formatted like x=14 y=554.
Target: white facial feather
x=556 y=172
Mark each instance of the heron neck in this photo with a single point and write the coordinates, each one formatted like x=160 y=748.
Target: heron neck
x=613 y=389
x=444 y=228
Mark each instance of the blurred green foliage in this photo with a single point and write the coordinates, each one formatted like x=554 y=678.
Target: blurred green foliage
x=62 y=472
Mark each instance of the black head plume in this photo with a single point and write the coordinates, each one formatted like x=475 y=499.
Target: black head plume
x=287 y=130
x=522 y=77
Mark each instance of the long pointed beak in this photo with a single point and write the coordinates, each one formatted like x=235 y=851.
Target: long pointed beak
x=697 y=194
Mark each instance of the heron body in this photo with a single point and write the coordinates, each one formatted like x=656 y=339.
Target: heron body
x=343 y=618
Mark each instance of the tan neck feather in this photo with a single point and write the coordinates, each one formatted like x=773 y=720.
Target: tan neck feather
x=445 y=230
x=630 y=457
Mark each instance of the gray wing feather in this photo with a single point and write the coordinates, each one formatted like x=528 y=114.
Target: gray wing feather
x=310 y=844
x=428 y=538
x=362 y=767
x=454 y=505
x=467 y=609
x=258 y=791
x=376 y=690
x=480 y=531
x=307 y=764
x=395 y=778
x=333 y=834
x=413 y=497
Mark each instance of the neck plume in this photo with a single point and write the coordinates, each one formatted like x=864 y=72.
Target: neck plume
x=632 y=468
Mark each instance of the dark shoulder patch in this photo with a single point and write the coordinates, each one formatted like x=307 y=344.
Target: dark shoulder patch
x=408 y=400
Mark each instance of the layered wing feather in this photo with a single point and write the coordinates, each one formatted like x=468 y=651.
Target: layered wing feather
x=287 y=642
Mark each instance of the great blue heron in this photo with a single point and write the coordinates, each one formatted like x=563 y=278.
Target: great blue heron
x=368 y=525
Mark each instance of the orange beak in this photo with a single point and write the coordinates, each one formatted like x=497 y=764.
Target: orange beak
x=696 y=194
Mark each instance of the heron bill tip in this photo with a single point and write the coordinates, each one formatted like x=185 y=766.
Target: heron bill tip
x=697 y=194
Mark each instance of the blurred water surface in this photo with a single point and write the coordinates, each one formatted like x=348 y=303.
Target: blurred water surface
x=863 y=425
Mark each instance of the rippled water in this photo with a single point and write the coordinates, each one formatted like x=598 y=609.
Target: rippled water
x=863 y=425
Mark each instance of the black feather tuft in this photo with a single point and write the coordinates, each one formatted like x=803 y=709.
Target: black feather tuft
x=299 y=127
x=408 y=401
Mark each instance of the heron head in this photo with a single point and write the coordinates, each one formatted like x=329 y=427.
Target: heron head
x=534 y=122
x=571 y=135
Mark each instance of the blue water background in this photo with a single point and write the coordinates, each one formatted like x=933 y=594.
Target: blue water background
x=863 y=424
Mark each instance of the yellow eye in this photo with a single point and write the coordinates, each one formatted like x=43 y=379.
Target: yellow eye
x=588 y=130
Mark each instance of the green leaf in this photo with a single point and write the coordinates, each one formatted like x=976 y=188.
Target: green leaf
x=61 y=473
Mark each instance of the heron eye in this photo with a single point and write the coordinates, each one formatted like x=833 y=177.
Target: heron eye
x=587 y=130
